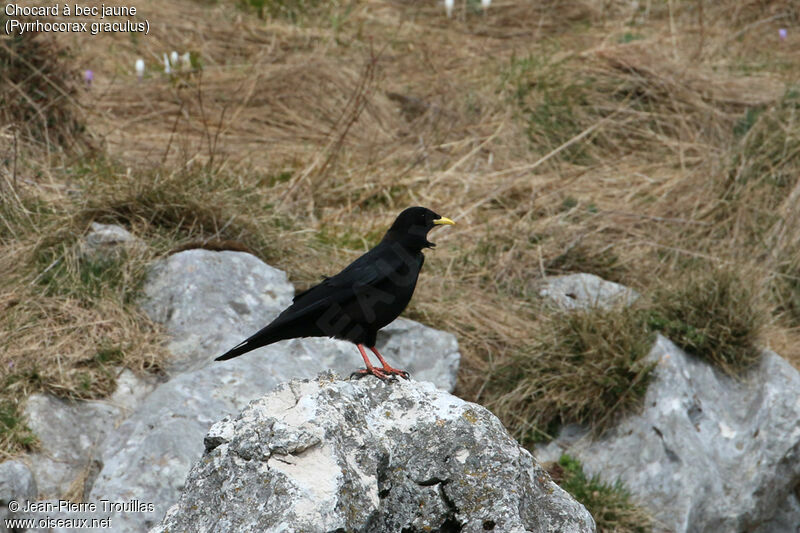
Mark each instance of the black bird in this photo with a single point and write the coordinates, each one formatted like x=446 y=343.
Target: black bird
x=361 y=299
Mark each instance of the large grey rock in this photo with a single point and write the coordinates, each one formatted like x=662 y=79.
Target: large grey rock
x=168 y=428
x=366 y=455
x=576 y=291
x=148 y=457
x=707 y=453
x=16 y=484
x=71 y=433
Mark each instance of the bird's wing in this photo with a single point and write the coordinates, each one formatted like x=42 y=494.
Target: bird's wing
x=364 y=271
x=372 y=269
x=301 y=293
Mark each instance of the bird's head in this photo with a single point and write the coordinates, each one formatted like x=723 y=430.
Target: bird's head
x=411 y=227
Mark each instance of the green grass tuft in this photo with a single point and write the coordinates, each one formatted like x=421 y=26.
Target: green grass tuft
x=629 y=37
x=586 y=258
x=15 y=436
x=551 y=105
x=746 y=122
x=65 y=272
x=588 y=367
x=187 y=209
x=712 y=315
x=609 y=505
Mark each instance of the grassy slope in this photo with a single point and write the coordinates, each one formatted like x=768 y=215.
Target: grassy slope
x=647 y=145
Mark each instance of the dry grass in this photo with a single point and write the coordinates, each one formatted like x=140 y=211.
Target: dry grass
x=39 y=91
x=635 y=143
x=69 y=322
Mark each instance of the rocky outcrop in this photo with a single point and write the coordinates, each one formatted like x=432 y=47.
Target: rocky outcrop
x=16 y=482
x=208 y=301
x=330 y=455
x=707 y=453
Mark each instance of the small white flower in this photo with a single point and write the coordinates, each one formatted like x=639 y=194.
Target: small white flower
x=167 y=69
x=140 y=68
x=186 y=61
x=173 y=58
x=448 y=6
x=485 y=4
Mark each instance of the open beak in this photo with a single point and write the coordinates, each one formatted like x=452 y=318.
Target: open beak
x=443 y=220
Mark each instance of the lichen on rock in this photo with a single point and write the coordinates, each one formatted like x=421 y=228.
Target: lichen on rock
x=327 y=455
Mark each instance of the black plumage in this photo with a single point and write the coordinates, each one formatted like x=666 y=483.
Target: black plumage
x=361 y=299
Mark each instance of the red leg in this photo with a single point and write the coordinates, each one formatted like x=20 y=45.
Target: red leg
x=377 y=372
x=386 y=368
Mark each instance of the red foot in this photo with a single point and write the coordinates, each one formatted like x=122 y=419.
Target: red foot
x=394 y=371
x=387 y=372
x=388 y=369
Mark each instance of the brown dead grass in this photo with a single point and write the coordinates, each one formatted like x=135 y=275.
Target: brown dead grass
x=68 y=324
x=561 y=136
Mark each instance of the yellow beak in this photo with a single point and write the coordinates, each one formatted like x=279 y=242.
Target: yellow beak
x=444 y=220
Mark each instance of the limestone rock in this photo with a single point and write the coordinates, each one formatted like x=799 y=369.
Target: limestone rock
x=576 y=291
x=707 y=453
x=169 y=426
x=16 y=483
x=70 y=433
x=330 y=455
x=167 y=431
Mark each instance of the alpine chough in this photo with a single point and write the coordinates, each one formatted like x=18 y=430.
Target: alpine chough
x=361 y=299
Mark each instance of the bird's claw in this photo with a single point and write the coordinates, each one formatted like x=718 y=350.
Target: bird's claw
x=358 y=374
x=395 y=372
x=383 y=374
x=377 y=372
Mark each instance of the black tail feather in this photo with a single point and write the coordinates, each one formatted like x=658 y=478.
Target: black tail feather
x=235 y=352
x=262 y=338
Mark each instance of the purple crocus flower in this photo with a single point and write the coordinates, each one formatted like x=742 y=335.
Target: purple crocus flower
x=782 y=34
x=88 y=77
